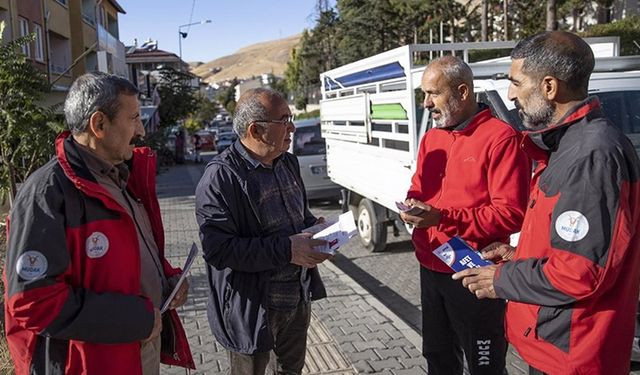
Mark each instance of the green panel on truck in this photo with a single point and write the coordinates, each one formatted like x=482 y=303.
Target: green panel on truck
x=392 y=111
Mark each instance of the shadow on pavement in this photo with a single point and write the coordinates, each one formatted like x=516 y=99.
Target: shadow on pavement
x=399 y=247
x=399 y=305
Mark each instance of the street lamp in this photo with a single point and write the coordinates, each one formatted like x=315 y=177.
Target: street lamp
x=183 y=34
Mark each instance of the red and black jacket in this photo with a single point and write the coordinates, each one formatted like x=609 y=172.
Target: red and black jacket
x=573 y=284
x=478 y=177
x=72 y=275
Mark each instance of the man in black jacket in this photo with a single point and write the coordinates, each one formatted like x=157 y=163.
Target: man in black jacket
x=251 y=207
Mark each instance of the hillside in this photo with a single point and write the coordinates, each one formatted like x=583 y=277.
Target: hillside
x=253 y=60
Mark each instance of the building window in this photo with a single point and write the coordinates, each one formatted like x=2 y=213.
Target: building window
x=89 y=12
x=91 y=62
x=63 y=2
x=24 y=31
x=60 y=53
x=39 y=51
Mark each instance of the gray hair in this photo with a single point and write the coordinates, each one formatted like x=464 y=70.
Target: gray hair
x=251 y=107
x=454 y=70
x=93 y=92
x=559 y=54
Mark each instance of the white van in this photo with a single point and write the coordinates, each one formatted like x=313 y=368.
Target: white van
x=310 y=148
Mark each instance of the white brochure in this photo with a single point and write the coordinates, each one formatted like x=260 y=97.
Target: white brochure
x=336 y=234
x=185 y=270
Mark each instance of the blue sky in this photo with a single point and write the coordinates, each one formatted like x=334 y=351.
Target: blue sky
x=234 y=23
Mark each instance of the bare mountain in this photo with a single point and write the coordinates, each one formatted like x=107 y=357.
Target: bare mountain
x=253 y=60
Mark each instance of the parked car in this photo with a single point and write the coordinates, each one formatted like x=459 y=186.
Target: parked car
x=310 y=148
x=207 y=140
x=225 y=140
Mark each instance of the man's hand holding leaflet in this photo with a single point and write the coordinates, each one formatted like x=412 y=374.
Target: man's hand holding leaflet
x=183 y=276
x=336 y=234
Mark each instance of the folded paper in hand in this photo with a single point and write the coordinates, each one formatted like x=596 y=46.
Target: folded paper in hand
x=458 y=255
x=409 y=210
x=335 y=232
x=185 y=270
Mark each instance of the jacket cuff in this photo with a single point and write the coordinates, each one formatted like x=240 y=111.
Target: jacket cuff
x=288 y=246
x=496 y=282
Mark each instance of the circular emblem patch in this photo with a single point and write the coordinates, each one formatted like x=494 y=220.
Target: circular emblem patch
x=97 y=245
x=31 y=265
x=572 y=226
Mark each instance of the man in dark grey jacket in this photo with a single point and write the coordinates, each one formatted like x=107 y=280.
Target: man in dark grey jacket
x=251 y=207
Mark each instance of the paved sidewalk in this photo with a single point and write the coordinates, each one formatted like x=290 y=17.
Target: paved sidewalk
x=351 y=331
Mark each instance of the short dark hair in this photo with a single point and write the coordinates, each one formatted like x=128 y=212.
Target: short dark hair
x=559 y=54
x=92 y=92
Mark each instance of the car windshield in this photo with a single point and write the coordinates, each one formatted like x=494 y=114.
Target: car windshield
x=308 y=141
x=226 y=137
x=621 y=107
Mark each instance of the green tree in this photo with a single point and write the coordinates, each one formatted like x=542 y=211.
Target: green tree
x=603 y=11
x=303 y=69
x=177 y=96
x=628 y=29
x=206 y=109
x=279 y=85
x=27 y=130
x=227 y=97
x=577 y=10
x=528 y=17
x=367 y=27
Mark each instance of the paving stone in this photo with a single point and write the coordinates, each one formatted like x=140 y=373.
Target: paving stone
x=417 y=370
x=396 y=353
x=385 y=364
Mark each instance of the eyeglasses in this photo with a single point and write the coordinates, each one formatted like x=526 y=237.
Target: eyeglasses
x=286 y=120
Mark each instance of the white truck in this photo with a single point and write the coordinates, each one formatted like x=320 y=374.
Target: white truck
x=372 y=119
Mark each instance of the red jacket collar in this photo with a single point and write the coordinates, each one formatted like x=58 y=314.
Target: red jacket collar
x=547 y=139
x=143 y=168
x=578 y=112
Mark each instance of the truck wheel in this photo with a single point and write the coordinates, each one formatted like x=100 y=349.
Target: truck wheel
x=372 y=230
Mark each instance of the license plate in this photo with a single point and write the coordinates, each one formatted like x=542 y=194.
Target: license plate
x=319 y=170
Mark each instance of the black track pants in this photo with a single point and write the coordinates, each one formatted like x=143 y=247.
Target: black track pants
x=455 y=321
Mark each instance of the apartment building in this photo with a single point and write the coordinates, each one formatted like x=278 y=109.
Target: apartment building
x=71 y=37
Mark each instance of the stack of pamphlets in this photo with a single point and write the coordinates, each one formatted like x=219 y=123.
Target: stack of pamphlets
x=335 y=232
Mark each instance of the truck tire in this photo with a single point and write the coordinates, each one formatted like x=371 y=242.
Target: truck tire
x=372 y=230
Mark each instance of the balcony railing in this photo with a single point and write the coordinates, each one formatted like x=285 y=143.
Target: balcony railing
x=114 y=60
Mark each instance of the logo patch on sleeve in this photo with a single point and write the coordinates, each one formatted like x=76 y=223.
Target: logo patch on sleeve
x=572 y=226
x=31 y=265
x=97 y=245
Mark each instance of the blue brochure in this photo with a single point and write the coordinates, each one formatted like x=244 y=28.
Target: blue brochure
x=458 y=255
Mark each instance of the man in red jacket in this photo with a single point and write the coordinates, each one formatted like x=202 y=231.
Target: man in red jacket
x=86 y=274
x=471 y=181
x=572 y=283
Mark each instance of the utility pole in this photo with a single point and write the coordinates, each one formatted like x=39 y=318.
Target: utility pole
x=183 y=34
